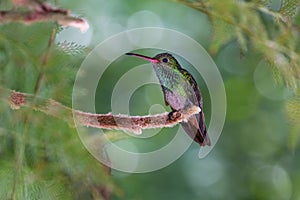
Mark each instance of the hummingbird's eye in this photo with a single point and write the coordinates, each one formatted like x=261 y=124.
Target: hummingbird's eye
x=165 y=60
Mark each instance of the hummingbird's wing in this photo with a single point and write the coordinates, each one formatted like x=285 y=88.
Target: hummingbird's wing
x=195 y=125
x=193 y=83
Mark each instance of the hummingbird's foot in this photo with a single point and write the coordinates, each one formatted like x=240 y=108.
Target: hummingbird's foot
x=173 y=115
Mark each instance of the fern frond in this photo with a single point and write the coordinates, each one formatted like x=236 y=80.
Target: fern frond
x=222 y=34
x=7 y=176
x=289 y=8
x=46 y=190
x=71 y=48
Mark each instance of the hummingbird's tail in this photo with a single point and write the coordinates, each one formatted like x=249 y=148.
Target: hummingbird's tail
x=203 y=131
x=196 y=129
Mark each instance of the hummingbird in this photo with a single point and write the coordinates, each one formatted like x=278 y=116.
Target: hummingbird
x=180 y=91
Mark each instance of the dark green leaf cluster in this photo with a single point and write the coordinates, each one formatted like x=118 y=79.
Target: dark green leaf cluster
x=255 y=24
x=42 y=157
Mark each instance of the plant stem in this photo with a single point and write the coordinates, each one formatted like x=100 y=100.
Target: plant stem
x=44 y=63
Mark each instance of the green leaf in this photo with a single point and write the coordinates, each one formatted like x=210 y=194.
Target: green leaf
x=222 y=34
x=262 y=2
x=292 y=108
x=289 y=8
x=242 y=40
x=7 y=177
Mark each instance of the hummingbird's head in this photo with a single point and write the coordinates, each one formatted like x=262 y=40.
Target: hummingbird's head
x=167 y=60
x=164 y=59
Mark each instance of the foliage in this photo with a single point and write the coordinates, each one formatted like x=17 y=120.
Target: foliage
x=43 y=158
x=248 y=22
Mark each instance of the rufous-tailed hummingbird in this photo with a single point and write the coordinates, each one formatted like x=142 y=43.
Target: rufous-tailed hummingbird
x=180 y=91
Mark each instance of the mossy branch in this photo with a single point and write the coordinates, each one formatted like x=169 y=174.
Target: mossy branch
x=41 y=12
x=133 y=124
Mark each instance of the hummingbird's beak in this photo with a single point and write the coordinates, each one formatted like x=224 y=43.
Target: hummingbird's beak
x=152 y=60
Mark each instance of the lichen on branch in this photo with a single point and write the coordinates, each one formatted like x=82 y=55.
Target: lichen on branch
x=133 y=124
x=41 y=12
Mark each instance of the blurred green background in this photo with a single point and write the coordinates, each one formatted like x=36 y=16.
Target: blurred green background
x=256 y=156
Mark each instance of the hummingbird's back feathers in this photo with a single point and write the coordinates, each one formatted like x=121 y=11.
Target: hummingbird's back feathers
x=200 y=136
x=194 y=85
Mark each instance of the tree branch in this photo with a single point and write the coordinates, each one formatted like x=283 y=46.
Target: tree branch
x=133 y=124
x=41 y=12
